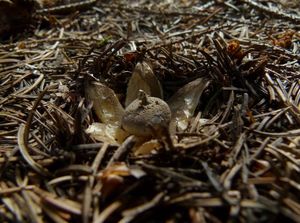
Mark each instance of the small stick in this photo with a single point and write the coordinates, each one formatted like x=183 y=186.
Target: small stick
x=273 y=12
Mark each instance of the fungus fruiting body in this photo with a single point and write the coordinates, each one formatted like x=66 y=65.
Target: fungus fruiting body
x=146 y=116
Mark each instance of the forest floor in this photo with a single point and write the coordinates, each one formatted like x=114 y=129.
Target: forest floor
x=229 y=71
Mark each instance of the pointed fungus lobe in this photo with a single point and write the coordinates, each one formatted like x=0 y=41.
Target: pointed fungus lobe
x=146 y=116
x=144 y=79
x=184 y=102
x=105 y=102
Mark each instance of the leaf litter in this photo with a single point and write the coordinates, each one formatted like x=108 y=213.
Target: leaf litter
x=229 y=72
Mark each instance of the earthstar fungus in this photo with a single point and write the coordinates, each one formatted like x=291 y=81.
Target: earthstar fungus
x=146 y=115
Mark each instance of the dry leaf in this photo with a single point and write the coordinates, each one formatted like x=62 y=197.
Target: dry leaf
x=144 y=79
x=184 y=102
x=113 y=176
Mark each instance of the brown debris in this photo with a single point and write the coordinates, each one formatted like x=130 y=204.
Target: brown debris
x=228 y=70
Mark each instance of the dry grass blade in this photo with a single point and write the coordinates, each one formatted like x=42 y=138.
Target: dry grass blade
x=61 y=204
x=123 y=150
x=11 y=204
x=24 y=151
x=273 y=11
x=102 y=217
x=23 y=135
x=88 y=193
x=203 y=202
x=34 y=210
x=87 y=201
